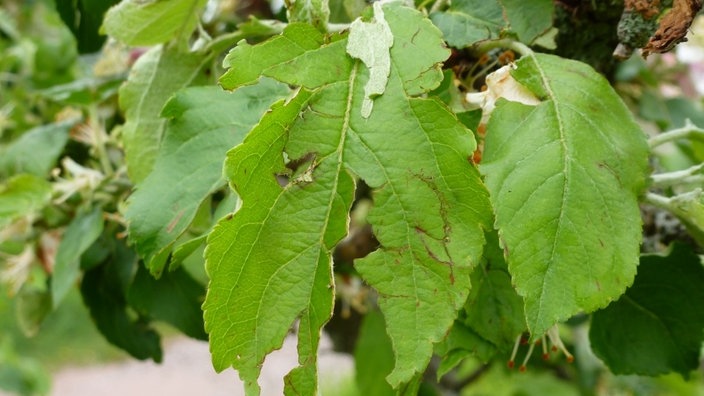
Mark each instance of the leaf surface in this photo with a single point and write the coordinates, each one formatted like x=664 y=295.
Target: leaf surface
x=204 y=122
x=373 y=356
x=154 y=78
x=143 y=23
x=104 y=289
x=429 y=211
x=174 y=298
x=494 y=310
x=32 y=306
x=468 y=22
x=275 y=251
x=564 y=177
x=22 y=195
x=36 y=151
x=80 y=234
x=656 y=327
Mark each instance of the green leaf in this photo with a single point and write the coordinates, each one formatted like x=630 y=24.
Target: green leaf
x=345 y=11
x=174 y=298
x=467 y=22
x=470 y=21
x=429 y=212
x=154 y=78
x=657 y=326
x=528 y=18
x=185 y=249
x=494 y=310
x=373 y=356
x=36 y=151
x=104 y=293
x=85 y=91
x=33 y=305
x=564 y=177
x=246 y=63
x=22 y=195
x=462 y=342
x=269 y=252
x=204 y=122
x=78 y=237
x=150 y=22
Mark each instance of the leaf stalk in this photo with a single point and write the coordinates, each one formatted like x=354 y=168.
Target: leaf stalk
x=513 y=45
x=689 y=130
x=692 y=174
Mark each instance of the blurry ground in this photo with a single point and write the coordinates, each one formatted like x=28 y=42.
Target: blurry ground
x=186 y=370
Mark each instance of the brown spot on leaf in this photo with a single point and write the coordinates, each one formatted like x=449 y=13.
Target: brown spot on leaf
x=170 y=227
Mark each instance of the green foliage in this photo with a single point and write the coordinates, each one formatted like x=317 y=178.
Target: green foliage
x=156 y=76
x=136 y=22
x=22 y=195
x=175 y=298
x=373 y=357
x=427 y=243
x=493 y=309
x=36 y=151
x=104 y=289
x=341 y=162
x=664 y=330
x=467 y=22
x=564 y=175
x=204 y=123
x=80 y=234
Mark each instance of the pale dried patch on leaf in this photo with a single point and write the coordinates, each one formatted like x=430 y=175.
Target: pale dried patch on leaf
x=500 y=84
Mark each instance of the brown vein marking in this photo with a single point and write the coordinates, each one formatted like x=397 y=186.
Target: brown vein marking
x=673 y=27
x=172 y=224
x=432 y=255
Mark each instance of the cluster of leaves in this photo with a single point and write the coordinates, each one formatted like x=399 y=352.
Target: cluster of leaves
x=236 y=186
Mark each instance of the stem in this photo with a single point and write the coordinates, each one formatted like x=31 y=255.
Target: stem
x=657 y=200
x=671 y=204
x=225 y=41
x=437 y=6
x=513 y=45
x=337 y=27
x=689 y=130
x=689 y=175
x=100 y=139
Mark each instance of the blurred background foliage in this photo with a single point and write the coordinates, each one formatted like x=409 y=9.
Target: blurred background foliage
x=60 y=130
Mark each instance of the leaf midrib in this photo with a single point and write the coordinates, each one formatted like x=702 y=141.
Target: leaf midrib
x=565 y=189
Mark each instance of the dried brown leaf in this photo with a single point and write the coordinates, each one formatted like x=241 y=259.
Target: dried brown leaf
x=673 y=27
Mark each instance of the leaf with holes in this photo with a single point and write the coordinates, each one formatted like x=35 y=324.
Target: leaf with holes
x=270 y=263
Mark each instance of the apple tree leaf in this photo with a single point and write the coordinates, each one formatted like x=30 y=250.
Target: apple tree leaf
x=270 y=263
x=564 y=178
